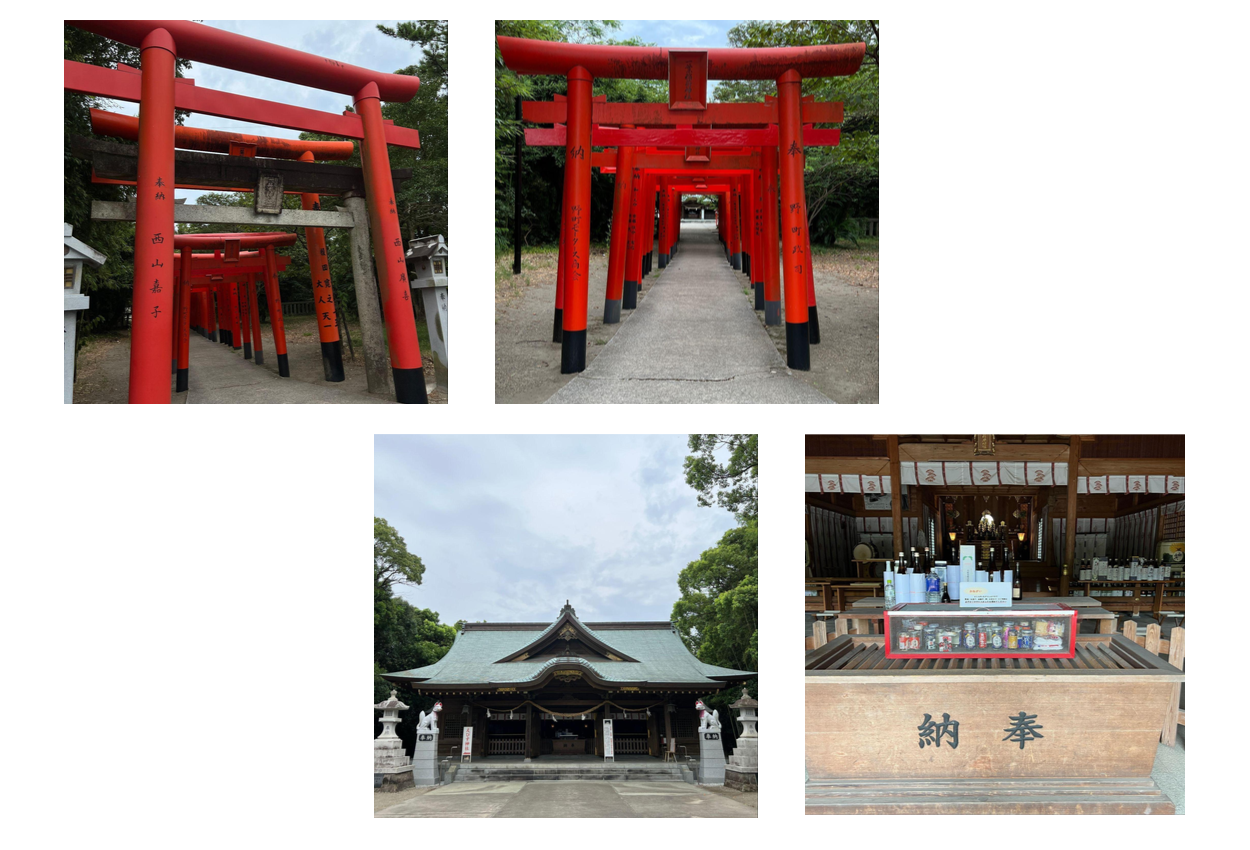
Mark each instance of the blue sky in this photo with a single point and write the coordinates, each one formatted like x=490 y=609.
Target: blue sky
x=354 y=42
x=677 y=33
x=508 y=527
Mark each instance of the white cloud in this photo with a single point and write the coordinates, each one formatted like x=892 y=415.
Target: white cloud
x=510 y=526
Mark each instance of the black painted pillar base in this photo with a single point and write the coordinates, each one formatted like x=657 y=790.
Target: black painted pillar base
x=332 y=361
x=772 y=312
x=663 y=260
x=284 y=367
x=409 y=385
x=212 y=336
x=180 y=382
x=735 y=262
x=813 y=325
x=247 y=351
x=173 y=366
x=573 y=352
x=258 y=357
x=746 y=264
x=612 y=311
x=759 y=295
x=798 y=355
x=629 y=299
x=558 y=327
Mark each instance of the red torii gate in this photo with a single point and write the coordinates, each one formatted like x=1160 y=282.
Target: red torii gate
x=241 y=144
x=227 y=252
x=154 y=88
x=688 y=120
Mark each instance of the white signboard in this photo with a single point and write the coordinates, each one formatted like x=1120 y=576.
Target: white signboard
x=608 y=752
x=985 y=594
x=466 y=746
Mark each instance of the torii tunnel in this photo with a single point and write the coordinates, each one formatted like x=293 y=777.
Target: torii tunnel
x=240 y=144
x=753 y=151
x=158 y=93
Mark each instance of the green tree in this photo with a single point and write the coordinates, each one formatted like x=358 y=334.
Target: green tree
x=544 y=166
x=732 y=484
x=717 y=613
x=404 y=636
x=841 y=182
x=392 y=562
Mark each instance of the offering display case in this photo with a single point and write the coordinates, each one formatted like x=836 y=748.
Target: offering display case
x=920 y=630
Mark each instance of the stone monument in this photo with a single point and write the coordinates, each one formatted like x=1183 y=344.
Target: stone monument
x=392 y=770
x=742 y=772
x=711 y=749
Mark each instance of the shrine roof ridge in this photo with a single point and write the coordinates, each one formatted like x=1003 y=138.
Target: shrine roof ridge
x=619 y=625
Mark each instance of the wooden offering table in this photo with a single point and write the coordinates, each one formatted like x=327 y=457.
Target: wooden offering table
x=985 y=736
x=835 y=594
x=568 y=746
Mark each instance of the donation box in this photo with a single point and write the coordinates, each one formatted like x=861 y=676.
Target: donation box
x=919 y=630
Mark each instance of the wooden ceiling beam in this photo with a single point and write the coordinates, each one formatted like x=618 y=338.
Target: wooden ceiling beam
x=848 y=465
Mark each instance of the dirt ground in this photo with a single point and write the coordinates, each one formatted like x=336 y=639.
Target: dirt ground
x=104 y=363
x=527 y=362
x=845 y=364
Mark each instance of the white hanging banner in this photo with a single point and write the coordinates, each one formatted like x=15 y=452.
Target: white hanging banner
x=1039 y=474
x=1174 y=484
x=907 y=470
x=1082 y=525
x=1011 y=472
x=1137 y=485
x=871 y=484
x=1117 y=484
x=1094 y=485
x=812 y=483
x=830 y=483
x=1154 y=483
x=984 y=473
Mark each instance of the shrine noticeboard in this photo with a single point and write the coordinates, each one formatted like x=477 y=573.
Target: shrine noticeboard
x=608 y=751
x=466 y=745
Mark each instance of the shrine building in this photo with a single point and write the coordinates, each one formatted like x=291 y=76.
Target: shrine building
x=543 y=690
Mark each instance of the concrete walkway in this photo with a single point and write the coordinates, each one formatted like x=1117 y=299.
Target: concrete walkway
x=219 y=375
x=569 y=799
x=694 y=339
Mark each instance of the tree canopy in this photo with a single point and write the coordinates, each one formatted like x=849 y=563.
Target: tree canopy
x=404 y=636
x=717 y=613
x=392 y=562
x=732 y=484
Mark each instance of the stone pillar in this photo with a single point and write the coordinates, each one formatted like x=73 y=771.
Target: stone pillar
x=392 y=770
x=743 y=768
x=425 y=751
x=711 y=750
x=372 y=328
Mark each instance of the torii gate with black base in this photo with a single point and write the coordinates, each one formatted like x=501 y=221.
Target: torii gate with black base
x=158 y=93
x=688 y=120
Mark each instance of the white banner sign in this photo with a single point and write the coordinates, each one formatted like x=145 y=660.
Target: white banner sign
x=466 y=745
x=608 y=752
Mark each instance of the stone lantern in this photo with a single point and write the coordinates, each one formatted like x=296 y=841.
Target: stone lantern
x=392 y=770
x=742 y=770
x=76 y=253
x=427 y=273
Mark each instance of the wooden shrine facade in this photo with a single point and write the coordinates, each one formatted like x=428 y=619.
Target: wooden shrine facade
x=536 y=690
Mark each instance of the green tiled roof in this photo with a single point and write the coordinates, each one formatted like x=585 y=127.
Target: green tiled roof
x=474 y=659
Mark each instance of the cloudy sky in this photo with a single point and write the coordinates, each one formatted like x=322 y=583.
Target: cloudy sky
x=677 y=33
x=354 y=42
x=508 y=527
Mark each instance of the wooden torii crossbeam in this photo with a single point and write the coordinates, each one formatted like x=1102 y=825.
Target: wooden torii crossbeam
x=780 y=128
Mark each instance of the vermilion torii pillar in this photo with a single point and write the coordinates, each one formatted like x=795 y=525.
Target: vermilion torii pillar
x=619 y=239
x=323 y=291
x=160 y=42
